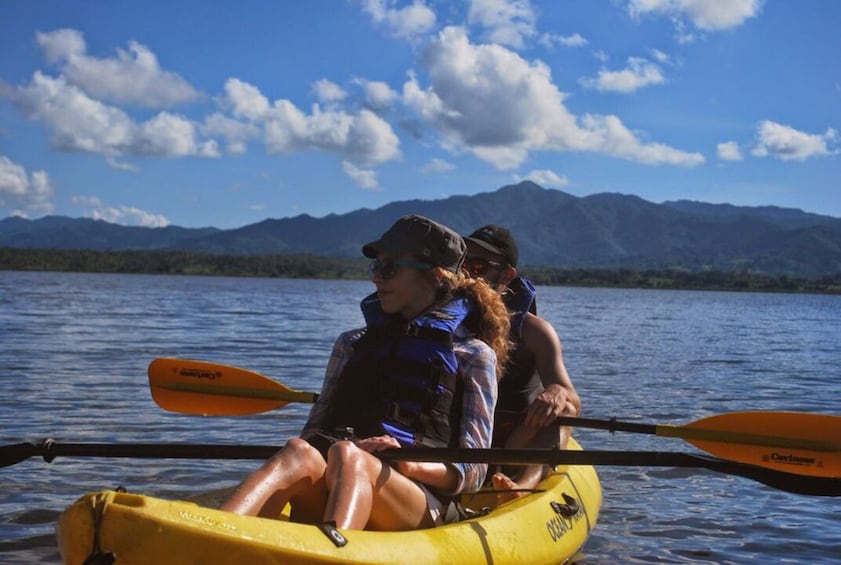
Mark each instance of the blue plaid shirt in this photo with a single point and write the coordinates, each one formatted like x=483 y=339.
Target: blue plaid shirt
x=476 y=362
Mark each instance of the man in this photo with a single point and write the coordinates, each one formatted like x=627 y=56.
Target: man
x=535 y=388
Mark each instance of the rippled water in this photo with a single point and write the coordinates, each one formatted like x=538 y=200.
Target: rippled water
x=74 y=349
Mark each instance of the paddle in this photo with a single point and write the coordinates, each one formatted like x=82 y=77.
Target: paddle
x=803 y=443
x=790 y=482
x=213 y=389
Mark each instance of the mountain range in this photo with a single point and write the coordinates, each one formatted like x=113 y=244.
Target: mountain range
x=552 y=228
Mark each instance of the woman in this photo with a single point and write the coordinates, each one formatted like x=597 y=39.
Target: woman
x=422 y=372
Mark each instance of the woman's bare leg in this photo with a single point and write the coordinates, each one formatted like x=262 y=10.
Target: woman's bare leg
x=365 y=492
x=296 y=471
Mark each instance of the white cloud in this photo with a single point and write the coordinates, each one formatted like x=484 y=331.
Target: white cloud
x=362 y=137
x=366 y=178
x=729 y=151
x=378 y=95
x=638 y=74
x=437 y=165
x=132 y=77
x=245 y=100
x=118 y=165
x=410 y=22
x=707 y=15
x=574 y=40
x=125 y=215
x=788 y=144
x=29 y=192
x=545 y=178
x=80 y=123
x=507 y=22
x=328 y=92
x=490 y=101
x=235 y=132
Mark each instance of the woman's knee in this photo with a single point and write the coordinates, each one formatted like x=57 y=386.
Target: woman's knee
x=299 y=453
x=343 y=457
x=343 y=452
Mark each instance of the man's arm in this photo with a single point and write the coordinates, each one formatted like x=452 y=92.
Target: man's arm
x=559 y=397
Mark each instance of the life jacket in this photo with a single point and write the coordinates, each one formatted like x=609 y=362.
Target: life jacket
x=520 y=383
x=403 y=378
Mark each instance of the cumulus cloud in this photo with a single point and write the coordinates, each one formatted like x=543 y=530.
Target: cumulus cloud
x=236 y=133
x=366 y=178
x=707 y=15
x=78 y=122
x=506 y=22
x=362 y=137
x=788 y=144
x=437 y=165
x=490 y=101
x=132 y=77
x=574 y=40
x=328 y=92
x=378 y=95
x=245 y=100
x=638 y=74
x=729 y=151
x=545 y=177
x=125 y=215
x=409 y=22
x=24 y=192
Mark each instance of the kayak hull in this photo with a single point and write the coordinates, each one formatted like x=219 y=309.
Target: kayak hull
x=548 y=526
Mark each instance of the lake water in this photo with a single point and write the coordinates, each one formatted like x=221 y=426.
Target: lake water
x=74 y=349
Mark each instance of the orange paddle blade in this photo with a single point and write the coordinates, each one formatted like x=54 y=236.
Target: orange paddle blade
x=794 y=442
x=213 y=389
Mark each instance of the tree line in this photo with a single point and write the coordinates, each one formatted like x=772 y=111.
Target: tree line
x=319 y=267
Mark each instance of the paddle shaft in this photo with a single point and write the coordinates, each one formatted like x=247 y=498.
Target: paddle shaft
x=175 y=381
x=683 y=432
x=807 y=444
x=790 y=482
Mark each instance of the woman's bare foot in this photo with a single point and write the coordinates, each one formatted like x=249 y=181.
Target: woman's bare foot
x=502 y=482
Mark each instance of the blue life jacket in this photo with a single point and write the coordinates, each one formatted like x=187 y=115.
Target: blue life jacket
x=403 y=378
x=520 y=299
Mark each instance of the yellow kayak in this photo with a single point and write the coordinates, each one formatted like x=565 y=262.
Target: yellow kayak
x=548 y=526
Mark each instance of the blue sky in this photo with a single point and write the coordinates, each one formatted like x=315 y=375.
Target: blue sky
x=198 y=113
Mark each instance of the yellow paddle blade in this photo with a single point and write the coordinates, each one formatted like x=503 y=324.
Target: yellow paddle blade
x=213 y=389
x=794 y=442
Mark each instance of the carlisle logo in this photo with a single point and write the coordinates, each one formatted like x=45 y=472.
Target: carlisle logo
x=791 y=459
x=200 y=374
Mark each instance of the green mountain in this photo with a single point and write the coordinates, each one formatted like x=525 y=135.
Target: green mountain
x=552 y=228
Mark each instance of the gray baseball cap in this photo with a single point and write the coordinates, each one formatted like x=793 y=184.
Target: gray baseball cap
x=422 y=238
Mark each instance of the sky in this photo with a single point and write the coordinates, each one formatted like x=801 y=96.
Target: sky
x=224 y=113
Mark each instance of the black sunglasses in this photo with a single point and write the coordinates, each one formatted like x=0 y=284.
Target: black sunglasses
x=478 y=267
x=387 y=268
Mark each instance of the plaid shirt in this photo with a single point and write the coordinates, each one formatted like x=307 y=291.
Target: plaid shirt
x=476 y=362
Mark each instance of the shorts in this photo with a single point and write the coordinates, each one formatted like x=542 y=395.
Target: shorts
x=442 y=511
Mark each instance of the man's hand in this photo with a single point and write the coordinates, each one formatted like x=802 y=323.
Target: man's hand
x=553 y=402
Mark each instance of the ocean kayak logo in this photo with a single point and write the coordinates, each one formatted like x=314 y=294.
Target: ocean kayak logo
x=791 y=459
x=199 y=374
x=566 y=516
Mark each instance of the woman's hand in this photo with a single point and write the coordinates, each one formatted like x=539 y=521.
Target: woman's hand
x=377 y=443
x=380 y=443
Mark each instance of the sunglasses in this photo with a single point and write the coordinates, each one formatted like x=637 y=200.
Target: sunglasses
x=478 y=267
x=387 y=268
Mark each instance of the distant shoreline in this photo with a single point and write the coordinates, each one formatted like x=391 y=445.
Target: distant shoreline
x=318 y=267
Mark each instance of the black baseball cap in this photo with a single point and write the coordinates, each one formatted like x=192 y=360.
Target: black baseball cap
x=497 y=240
x=422 y=238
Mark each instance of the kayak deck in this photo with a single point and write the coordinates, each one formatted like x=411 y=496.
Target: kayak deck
x=547 y=526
